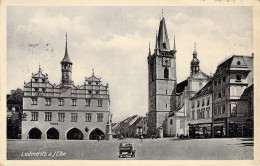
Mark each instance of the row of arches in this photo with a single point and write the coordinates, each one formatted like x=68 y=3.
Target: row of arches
x=72 y=134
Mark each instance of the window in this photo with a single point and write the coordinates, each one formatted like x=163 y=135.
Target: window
x=238 y=78
x=96 y=83
x=36 y=80
x=61 y=117
x=224 y=79
x=208 y=109
x=198 y=114
x=203 y=113
x=99 y=117
x=219 y=110
x=208 y=101
x=193 y=115
x=171 y=122
x=24 y=117
x=215 y=110
x=238 y=63
x=223 y=109
x=61 y=102
x=48 y=116
x=215 y=83
x=88 y=117
x=48 y=101
x=35 y=116
x=200 y=84
x=166 y=73
x=192 y=105
x=97 y=92
x=233 y=109
x=219 y=95
x=166 y=92
x=44 y=89
x=36 y=89
x=99 y=103
x=203 y=102
x=74 y=117
x=43 y=80
x=34 y=101
x=89 y=91
x=164 y=45
x=198 y=103
x=88 y=102
x=74 y=102
x=89 y=83
x=166 y=105
x=223 y=92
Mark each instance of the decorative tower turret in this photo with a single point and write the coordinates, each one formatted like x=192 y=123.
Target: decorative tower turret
x=195 y=63
x=162 y=79
x=66 y=68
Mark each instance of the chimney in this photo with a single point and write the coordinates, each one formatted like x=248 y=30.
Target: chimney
x=12 y=92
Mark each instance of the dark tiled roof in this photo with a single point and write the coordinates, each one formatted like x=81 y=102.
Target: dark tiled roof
x=181 y=86
x=163 y=37
x=204 y=90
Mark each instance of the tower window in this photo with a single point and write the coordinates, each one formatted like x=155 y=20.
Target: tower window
x=166 y=73
x=164 y=45
x=238 y=78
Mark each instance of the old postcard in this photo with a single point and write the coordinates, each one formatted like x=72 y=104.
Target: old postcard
x=99 y=83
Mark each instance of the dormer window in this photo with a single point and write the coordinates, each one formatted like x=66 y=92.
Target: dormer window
x=238 y=78
x=238 y=63
x=164 y=45
x=96 y=83
x=43 y=80
x=36 y=79
x=89 y=83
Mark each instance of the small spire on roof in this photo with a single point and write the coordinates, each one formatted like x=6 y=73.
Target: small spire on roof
x=40 y=67
x=162 y=13
x=93 y=72
x=149 y=49
x=174 y=45
x=195 y=46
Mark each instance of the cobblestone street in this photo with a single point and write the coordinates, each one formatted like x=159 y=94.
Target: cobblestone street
x=149 y=149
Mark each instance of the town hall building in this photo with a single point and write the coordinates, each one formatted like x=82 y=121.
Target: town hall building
x=65 y=111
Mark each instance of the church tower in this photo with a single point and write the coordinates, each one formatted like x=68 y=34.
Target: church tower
x=66 y=68
x=195 y=63
x=162 y=79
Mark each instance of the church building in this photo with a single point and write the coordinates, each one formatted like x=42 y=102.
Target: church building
x=162 y=79
x=65 y=111
x=178 y=119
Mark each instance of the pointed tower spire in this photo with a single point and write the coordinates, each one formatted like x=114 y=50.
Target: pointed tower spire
x=163 y=40
x=66 y=56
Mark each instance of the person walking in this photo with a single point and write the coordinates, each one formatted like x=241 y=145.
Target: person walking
x=141 y=138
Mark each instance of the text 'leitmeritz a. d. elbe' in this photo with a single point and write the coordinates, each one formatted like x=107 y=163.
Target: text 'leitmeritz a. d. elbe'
x=201 y=106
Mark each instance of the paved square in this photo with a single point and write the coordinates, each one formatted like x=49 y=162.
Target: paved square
x=149 y=149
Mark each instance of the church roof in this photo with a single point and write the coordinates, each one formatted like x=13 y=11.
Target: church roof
x=204 y=90
x=163 y=37
x=181 y=86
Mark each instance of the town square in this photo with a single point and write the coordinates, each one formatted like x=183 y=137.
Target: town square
x=120 y=83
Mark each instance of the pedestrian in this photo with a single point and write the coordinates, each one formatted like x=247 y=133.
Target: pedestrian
x=141 y=138
x=98 y=137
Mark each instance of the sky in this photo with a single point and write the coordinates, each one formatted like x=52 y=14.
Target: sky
x=115 y=42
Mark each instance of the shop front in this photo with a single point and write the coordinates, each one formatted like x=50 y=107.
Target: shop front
x=219 y=128
x=200 y=130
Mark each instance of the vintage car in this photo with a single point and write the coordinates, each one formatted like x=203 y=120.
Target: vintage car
x=126 y=150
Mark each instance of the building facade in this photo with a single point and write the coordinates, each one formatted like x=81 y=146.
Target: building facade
x=200 y=119
x=64 y=111
x=230 y=80
x=161 y=79
x=177 y=121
